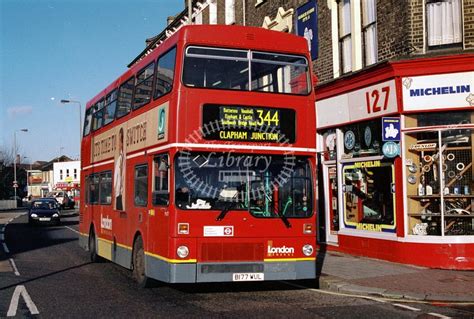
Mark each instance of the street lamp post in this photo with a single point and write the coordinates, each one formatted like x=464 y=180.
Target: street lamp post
x=15 y=182
x=27 y=182
x=80 y=119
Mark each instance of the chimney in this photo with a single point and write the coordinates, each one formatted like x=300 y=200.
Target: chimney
x=169 y=20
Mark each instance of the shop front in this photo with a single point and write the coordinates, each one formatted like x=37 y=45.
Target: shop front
x=396 y=162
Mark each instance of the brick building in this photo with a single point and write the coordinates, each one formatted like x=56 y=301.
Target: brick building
x=395 y=121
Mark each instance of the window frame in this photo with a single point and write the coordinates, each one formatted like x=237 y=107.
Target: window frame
x=458 y=44
x=364 y=29
x=106 y=105
x=117 y=116
x=155 y=78
x=87 y=128
x=153 y=181
x=98 y=109
x=137 y=83
x=249 y=59
x=101 y=176
x=138 y=166
x=341 y=38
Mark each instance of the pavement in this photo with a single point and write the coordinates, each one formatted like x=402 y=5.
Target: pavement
x=371 y=277
x=355 y=275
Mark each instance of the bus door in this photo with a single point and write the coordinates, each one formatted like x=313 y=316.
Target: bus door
x=137 y=198
x=158 y=214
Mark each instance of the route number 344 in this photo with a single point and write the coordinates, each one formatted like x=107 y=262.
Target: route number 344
x=377 y=100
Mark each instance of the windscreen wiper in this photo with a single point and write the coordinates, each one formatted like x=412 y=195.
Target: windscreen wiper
x=225 y=211
x=282 y=215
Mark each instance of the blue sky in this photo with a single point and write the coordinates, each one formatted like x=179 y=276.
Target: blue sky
x=65 y=49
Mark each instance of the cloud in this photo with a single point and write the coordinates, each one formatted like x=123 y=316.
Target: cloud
x=19 y=110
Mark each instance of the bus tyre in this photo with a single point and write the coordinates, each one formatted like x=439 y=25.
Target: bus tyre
x=95 y=258
x=138 y=260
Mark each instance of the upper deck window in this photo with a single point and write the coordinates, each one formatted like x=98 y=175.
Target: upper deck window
x=165 y=73
x=110 y=106
x=97 y=112
x=218 y=68
x=87 y=122
x=124 y=102
x=144 y=86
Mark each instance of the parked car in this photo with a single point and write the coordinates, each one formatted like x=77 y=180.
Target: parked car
x=44 y=210
x=63 y=199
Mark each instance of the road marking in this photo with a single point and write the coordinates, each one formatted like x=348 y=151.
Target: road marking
x=5 y=248
x=21 y=291
x=17 y=273
x=3 y=229
x=378 y=299
x=438 y=315
x=72 y=229
x=327 y=292
x=2 y=237
x=406 y=307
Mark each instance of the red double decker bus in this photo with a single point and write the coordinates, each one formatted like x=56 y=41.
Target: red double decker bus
x=198 y=162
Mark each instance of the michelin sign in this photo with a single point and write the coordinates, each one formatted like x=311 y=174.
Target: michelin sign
x=440 y=91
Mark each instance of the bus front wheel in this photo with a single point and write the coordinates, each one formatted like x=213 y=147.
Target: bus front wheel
x=139 y=264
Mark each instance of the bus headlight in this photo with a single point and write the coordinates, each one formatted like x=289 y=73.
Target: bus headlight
x=182 y=251
x=308 y=250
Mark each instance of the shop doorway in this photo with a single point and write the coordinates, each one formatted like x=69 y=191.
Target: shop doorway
x=331 y=206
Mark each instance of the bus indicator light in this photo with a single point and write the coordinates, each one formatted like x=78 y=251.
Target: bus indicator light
x=183 y=228
x=308 y=229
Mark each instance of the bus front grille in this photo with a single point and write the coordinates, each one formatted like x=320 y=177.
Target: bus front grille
x=231 y=268
x=218 y=252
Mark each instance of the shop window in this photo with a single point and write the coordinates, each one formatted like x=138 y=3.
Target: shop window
x=444 y=22
x=141 y=185
x=345 y=38
x=440 y=174
x=369 y=199
x=369 y=31
x=362 y=139
x=330 y=145
x=161 y=192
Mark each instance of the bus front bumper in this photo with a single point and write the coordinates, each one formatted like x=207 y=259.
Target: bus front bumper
x=230 y=271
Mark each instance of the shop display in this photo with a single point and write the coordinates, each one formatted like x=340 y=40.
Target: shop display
x=441 y=203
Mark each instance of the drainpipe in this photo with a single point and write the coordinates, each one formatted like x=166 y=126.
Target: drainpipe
x=243 y=12
x=190 y=11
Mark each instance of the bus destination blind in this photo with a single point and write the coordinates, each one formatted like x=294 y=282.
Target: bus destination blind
x=252 y=124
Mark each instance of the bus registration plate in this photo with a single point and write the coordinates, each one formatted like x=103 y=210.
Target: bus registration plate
x=249 y=276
